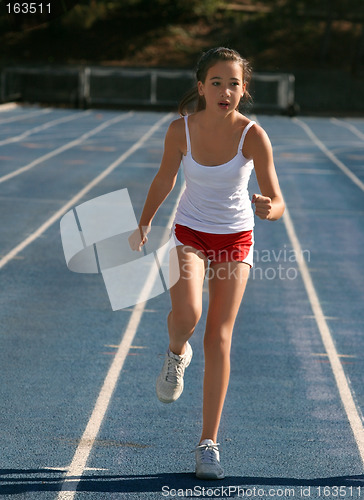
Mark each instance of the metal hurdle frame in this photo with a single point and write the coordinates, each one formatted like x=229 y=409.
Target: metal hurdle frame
x=85 y=96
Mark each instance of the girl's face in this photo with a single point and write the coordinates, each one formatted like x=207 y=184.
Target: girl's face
x=223 y=87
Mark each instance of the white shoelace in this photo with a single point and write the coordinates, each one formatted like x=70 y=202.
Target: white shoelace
x=174 y=370
x=208 y=455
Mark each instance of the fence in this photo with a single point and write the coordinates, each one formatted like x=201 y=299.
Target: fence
x=101 y=86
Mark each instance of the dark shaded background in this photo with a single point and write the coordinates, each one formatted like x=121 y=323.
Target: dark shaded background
x=320 y=41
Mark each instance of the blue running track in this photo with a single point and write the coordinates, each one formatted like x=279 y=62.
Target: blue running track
x=79 y=417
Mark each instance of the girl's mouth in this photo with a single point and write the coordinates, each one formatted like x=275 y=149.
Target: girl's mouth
x=224 y=104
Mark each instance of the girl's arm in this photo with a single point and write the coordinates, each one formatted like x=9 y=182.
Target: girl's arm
x=162 y=184
x=269 y=204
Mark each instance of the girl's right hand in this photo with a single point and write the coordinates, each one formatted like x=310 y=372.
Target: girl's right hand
x=139 y=238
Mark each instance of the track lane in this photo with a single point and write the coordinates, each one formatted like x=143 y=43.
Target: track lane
x=283 y=423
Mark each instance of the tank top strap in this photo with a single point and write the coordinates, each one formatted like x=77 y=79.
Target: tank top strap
x=245 y=131
x=187 y=134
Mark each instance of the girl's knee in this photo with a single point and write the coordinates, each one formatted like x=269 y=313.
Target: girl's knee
x=218 y=341
x=186 y=318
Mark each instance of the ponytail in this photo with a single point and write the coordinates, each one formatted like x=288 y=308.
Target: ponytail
x=191 y=102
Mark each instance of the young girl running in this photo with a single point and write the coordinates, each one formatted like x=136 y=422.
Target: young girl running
x=218 y=147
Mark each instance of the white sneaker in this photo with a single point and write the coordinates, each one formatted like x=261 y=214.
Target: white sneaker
x=170 y=381
x=208 y=460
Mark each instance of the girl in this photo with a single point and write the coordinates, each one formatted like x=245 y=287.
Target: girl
x=218 y=147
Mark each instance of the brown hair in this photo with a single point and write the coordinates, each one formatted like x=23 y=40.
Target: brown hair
x=192 y=101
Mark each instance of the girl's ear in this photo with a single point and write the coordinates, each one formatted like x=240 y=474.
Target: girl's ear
x=244 y=87
x=200 y=88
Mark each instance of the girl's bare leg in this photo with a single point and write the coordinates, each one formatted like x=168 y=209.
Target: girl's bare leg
x=227 y=282
x=186 y=298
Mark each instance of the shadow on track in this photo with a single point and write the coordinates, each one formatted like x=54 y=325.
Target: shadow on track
x=17 y=481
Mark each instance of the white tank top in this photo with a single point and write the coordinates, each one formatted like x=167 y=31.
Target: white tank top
x=216 y=198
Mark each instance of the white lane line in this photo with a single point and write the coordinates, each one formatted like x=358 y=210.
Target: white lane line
x=310 y=171
x=25 y=116
x=78 y=464
x=352 y=128
x=46 y=125
x=343 y=386
x=56 y=216
x=65 y=147
x=325 y=354
x=329 y=154
x=65 y=469
x=334 y=358
x=8 y=106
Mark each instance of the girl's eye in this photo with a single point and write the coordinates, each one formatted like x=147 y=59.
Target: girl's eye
x=215 y=84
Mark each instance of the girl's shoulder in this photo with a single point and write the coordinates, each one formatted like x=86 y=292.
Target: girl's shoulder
x=256 y=139
x=177 y=127
x=176 y=134
x=255 y=132
x=242 y=121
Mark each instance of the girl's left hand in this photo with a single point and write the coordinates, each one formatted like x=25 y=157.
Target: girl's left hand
x=263 y=206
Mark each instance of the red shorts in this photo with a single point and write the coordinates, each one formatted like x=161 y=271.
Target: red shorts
x=218 y=247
